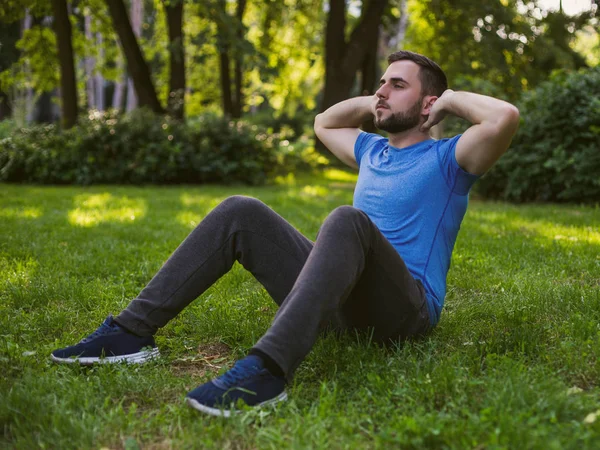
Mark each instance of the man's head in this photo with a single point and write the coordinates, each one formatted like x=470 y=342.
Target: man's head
x=408 y=89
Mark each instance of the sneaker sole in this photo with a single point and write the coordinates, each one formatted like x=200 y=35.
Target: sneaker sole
x=228 y=412
x=132 y=358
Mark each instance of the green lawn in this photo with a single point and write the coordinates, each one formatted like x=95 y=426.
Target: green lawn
x=513 y=364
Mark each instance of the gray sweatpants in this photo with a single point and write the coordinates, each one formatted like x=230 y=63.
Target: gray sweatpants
x=350 y=278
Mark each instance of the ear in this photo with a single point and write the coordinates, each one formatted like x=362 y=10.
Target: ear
x=427 y=103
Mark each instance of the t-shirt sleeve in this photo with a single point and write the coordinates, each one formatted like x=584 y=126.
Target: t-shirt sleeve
x=458 y=179
x=363 y=143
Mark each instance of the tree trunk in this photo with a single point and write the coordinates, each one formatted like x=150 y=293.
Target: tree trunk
x=335 y=44
x=368 y=82
x=42 y=112
x=117 y=100
x=89 y=67
x=225 y=83
x=343 y=59
x=9 y=54
x=5 y=106
x=369 y=75
x=137 y=14
x=98 y=78
x=132 y=101
x=136 y=63
x=176 y=102
x=68 y=86
x=27 y=23
x=238 y=61
x=224 y=66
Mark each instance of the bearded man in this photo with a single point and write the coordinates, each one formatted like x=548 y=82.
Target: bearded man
x=379 y=265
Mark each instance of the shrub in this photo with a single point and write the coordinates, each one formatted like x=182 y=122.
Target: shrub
x=285 y=125
x=141 y=147
x=6 y=128
x=555 y=155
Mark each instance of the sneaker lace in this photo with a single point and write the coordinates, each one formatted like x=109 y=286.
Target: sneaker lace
x=102 y=330
x=238 y=373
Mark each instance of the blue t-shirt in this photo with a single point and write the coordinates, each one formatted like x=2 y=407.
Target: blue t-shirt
x=417 y=196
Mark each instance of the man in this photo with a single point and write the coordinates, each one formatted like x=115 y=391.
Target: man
x=380 y=265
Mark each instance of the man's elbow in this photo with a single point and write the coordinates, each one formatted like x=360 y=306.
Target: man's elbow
x=319 y=119
x=504 y=122
x=511 y=118
x=318 y=124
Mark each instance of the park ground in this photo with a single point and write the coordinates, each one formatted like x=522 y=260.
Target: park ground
x=514 y=362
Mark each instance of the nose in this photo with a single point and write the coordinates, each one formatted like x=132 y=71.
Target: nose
x=381 y=92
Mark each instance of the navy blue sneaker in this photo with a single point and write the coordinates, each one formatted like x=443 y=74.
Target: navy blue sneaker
x=247 y=380
x=108 y=344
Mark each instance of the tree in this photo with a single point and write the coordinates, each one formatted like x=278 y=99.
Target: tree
x=223 y=47
x=136 y=64
x=68 y=85
x=511 y=45
x=344 y=58
x=136 y=16
x=231 y=45
x=238 y=60
x=9 y=54
x=174 y=13
x=283 y=63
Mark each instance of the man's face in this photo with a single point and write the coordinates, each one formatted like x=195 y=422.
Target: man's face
x=400 y=105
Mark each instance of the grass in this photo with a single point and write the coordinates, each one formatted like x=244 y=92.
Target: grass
x=514 y=363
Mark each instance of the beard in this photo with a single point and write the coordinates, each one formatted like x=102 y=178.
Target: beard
x=401 y=121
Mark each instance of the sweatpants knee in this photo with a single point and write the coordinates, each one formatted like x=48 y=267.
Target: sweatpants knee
x=345 y=214
x=345 y=218
x=240 y=204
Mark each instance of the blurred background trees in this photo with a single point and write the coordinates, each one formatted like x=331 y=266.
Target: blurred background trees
x=274 y=63
x=243 y=57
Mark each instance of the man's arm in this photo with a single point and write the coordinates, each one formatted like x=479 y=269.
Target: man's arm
x=494 y=123
x=337 y=127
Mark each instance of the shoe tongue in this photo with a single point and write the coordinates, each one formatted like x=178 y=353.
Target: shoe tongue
x=248 y=366
x=106 y=326
x=108 y=321
x=252 y=361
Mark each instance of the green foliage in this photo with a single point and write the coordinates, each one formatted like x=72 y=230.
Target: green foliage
x=288 y=126
x=554 y=156
x=37 y=66
x=144 y=148
x=6 y=128
x=512 y=44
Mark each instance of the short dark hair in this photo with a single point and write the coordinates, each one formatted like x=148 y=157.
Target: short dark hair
x=433 y=79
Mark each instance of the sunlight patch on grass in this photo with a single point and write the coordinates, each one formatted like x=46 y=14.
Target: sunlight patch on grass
x=314 y=191
x=93 y=209
x=558 y=232
x=340 y=175
x=287 y=180
x=20 y=213
x=205 y=202
x=189 y=219
x=16 y=273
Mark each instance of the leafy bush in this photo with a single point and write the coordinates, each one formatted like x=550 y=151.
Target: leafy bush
x=144 y=148
x=6 y=128
x=288 y=127
x=555 y=156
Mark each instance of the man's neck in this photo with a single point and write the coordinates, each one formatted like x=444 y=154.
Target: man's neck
x=407 y=138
